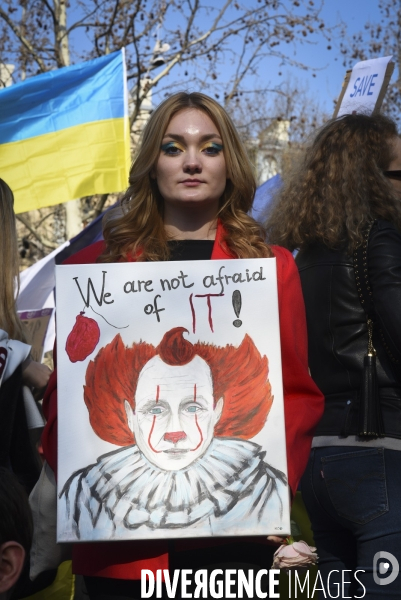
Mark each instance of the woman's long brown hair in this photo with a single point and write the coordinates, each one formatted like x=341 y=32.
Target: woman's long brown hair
x=9 y=266
x=140 y=229
x=339 y=186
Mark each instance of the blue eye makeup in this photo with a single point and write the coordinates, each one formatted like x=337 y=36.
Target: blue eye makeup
x=175 y=148
x=172 y=148
x=212 y=148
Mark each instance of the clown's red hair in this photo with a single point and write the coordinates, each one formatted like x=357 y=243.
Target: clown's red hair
x=239 y=377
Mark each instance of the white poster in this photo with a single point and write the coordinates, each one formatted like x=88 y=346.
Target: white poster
x=170 y=401
x=365 y=84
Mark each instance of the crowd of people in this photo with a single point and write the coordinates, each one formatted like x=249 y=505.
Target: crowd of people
x=191 y=188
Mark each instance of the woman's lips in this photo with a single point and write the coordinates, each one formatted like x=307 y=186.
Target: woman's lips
x=191 y=182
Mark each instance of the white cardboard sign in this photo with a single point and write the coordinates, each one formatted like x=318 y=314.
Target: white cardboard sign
x=170 y=401
x=364 y=86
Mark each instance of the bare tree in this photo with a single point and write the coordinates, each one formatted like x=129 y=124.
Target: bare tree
x=276 y=126
x=222 y=47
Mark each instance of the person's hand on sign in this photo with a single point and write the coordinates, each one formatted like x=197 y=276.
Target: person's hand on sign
x=35 y=374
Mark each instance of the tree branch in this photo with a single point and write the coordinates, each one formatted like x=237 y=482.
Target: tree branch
x=45 y=243
x=23 y=40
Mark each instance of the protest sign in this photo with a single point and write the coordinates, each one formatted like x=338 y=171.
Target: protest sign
x=171 y=420
x=364 y=87
x=35 y=324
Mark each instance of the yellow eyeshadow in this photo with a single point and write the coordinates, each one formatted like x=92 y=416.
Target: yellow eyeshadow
x=172 y=145
x=214 y=145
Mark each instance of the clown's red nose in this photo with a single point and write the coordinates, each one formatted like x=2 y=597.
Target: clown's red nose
x=175 y=436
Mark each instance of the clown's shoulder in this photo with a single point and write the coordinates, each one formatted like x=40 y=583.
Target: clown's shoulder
x=84 y=492
x=261 y=507
x=105 y=470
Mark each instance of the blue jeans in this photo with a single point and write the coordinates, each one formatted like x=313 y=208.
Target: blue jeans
x=353 y=498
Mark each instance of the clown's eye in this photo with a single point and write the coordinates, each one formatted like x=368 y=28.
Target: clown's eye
x=193 y=408
x=156 y=410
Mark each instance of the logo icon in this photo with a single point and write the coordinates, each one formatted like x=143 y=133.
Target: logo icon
x=383 y=563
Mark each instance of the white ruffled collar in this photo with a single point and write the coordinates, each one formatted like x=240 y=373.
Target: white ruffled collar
x=136 y=493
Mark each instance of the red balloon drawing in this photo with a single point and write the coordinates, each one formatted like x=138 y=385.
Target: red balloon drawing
x=83 y=338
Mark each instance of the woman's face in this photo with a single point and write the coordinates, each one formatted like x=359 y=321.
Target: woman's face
x=395 y=164
x=191 y=169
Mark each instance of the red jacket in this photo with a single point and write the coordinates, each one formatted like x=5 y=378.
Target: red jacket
x=303 y=407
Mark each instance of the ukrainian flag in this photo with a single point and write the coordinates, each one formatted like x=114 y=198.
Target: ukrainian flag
x=65 y=134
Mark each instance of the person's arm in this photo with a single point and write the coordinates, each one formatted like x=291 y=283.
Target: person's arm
x=34 y=374
x=12 y=354
x=49 y=435
x=384 y=268
x=303 y=401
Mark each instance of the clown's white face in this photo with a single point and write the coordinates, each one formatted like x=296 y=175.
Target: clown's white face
x=174 y=416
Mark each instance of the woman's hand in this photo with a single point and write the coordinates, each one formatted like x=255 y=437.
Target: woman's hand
x=35 y=374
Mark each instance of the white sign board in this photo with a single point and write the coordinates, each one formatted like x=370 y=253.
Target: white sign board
x=364 y=87
x=170 y=401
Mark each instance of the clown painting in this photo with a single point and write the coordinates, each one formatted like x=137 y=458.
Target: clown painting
x=183 y=416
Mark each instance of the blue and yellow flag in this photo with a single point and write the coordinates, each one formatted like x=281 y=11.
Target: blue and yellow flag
x=65 y=134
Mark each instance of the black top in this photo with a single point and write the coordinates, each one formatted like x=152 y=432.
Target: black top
x=337 y=330
x=190 y=249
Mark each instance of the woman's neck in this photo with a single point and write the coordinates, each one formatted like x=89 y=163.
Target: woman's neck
x=190 y=225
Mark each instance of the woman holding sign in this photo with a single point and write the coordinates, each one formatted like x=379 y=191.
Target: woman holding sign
x=343 y=210
x=17 y=369
x=191 y=188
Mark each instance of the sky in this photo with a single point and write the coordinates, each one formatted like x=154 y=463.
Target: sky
x=329 y=71
x=323 y=80
x=326 y=86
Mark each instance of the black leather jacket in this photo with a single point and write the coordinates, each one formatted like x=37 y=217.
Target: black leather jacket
x=337 y=330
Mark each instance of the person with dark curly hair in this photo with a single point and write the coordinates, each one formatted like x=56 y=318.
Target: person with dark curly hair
x=342 y=210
